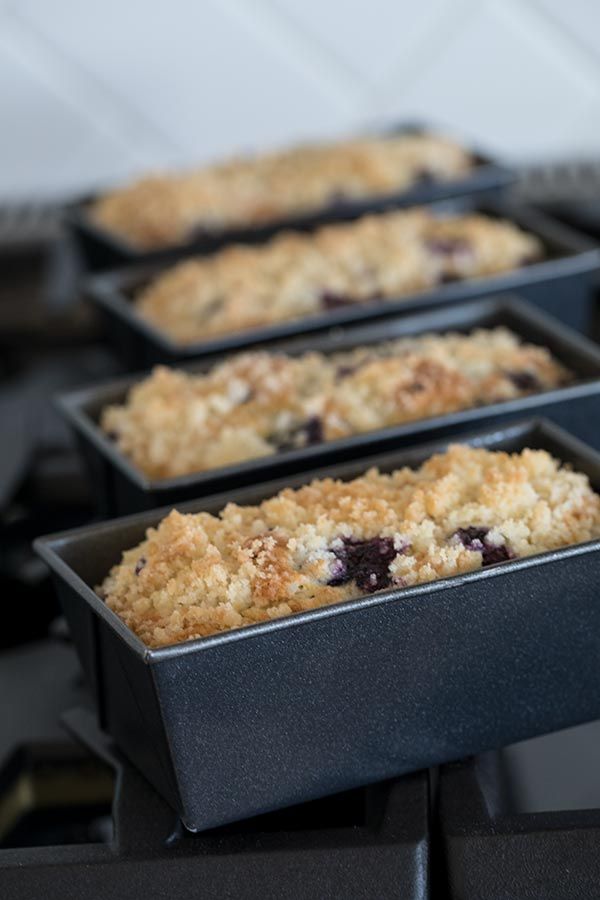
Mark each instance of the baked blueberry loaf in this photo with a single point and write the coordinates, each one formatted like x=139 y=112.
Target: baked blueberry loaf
x=331 y=541
x=256 y=404
x=295 y=275
x=169 y=209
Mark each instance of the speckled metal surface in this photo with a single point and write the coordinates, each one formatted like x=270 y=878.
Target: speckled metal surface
x=271 y=715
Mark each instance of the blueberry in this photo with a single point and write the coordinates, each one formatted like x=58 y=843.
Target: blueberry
x=345 y=371
x=313 y=429
x=309 y=432
x=447 y=278
x=524 y=381
x=331 y=300
x=365 y=562
x=492 y=554
x=202 y=233
x=529 y=259
x=474 y=538
x=472 y=535
x=112 y=435
x=424 y=176
x=140 y=564
x=338 y=197
x=447 y=246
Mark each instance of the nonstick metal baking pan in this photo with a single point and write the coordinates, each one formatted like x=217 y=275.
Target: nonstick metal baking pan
x=270 y=715
x=559 y=284
x=121 y=488
x=101 y=249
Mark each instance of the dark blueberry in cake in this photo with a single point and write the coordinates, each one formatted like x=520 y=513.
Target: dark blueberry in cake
x=365 y=562
x=447 y=278
x=309 y=432
x=414 y=387
x=313 y=429
x=346 y=370
x=331 y=300
x=424 y=176
x=496 y=554
x=338 y=197
x=529 y=259
x=112 y=435
x=204 y=232
x=140 y=564
x=524 y=381
x=448 y=246
x=474 y=538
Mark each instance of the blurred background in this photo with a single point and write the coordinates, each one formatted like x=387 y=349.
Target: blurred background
x=93 y=92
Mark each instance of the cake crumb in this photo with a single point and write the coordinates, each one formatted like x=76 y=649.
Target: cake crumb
x=331 y=541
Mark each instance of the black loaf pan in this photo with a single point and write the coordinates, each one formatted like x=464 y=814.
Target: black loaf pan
x=101 y=249
x=559 y=284
x=121 y=488
x=279 y=713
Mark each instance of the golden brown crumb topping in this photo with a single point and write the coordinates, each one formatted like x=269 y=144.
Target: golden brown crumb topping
x=256 y=404
x=168 y=209
x=297 y=275
x=331 y=541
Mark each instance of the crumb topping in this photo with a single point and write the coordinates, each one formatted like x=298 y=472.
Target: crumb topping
x=297 y=275
x=165 y=209
x=331 y=541
x=257 y=404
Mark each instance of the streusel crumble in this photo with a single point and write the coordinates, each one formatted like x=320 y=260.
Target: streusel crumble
x=331 y=541
x=256 y=404
x=167 y=209
x=296 y=275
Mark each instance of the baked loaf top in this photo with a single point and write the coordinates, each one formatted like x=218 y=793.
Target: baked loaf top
x=168 y=209
x=256 y=404
x=296 y=275
x=331 y=541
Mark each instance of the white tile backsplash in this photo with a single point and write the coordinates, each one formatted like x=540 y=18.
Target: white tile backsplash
x=578 y=18
x=368 y=38
x=46 y=145
x=91 y=92
x=506 y=85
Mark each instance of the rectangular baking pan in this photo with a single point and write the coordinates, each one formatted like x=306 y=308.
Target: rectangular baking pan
x=270 y=715
x=100 y=249
x=558 y=284
x=122 y=488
